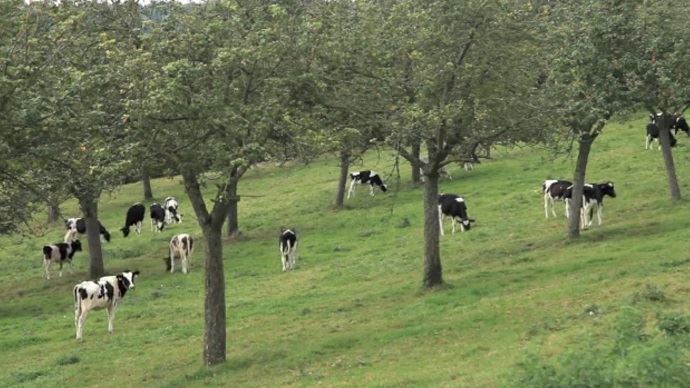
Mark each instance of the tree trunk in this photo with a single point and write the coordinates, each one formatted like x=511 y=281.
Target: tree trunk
x=664 y=124
x=214 y=278
x=148 y=194
x=233 y=214
x=416 y=150
x=585 y=146
x=214 y=302
x=342 y=180
x=432 y=253
x=89 y=208
x=53 y=211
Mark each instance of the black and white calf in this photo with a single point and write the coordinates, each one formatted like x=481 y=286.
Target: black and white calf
x=171 y=210
x=107 y=293
x=180 y=248
x=679 y=124
x=60 y=252
x=364 y=177
x=554 y=190
x=287 y=243
x=593 y=200
x=455 y=207
x=135 y=217
x=77 y=226
x=157 y=217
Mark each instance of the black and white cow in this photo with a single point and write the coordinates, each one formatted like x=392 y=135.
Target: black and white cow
x=287 y=243
x=593 y=200
x=455 y=207
x=107 y=293
x=171 y=210
x=364 y=177
x=652 y=135
x=60 y=252
x=135 y=217
x=77 y=226
x=554 y=190
x=180 y=248
x=157 y=217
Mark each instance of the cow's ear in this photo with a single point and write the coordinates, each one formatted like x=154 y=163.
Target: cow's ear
x=472 y=220
x=135 y=273
x=119 y=276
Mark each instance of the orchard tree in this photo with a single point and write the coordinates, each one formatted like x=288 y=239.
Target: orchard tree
x=661 y=70
x=589 y=52
x=215 y=95
x=471 y=67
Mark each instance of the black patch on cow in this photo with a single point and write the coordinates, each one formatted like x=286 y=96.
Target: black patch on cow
x=82 y=293
x=109 y=291
x=158 y=214
x=135 y=214
x=122 y=285
x=47 y=252
x=287 y=235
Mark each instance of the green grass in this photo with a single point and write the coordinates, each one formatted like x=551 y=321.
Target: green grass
x=353 y=313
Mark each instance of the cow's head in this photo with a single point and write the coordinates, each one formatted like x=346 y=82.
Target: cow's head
x=608 y=189
x=127 y=278
x=76 y=246
x=125 y=231
x=467 y=223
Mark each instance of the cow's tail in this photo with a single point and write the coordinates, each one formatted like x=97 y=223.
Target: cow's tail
x=190 y=246
x=77 y=303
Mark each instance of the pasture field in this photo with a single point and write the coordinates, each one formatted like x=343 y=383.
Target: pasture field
x=521 y=304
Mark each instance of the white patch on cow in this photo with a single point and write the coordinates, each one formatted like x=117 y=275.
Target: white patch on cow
x=460 y=199
x=355 y=173
x=466 y=222
x=372 y=174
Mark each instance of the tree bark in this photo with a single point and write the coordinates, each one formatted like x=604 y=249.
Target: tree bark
x=214 y=279
x=233 y=213
x=432 y=253
x=146 y=180
x=53 y=211
x=215 y=336
x=416 y=150
x=664 y=123
x=585 y=146
x=89 y=209
x=342 y=180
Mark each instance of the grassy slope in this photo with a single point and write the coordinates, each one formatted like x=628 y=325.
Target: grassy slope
x=353 y=313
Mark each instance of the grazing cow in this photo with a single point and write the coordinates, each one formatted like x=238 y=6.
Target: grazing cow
x=455 y=207
x=181 y=248
x=170 y=205
x=60 y=252
x=554 y=190
x=364 y=177
x=287 y=243
x=135 y=216
x=104 y=293
x=77 y=226
x=679 y=123
x=157 y=217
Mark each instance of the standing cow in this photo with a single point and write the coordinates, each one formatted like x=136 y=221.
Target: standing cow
x=180 y=248
x=60 y=252
x=287 y=243
x=135 y=217
x=104 y=293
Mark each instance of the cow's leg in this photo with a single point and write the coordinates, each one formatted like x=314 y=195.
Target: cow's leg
x=351 y=192
x=440 y=219
x=546 y=205
x=80 y=323
x=567 y=208
x=462 y=226
x=138 y=227
x=646 y=142
x=172 y=261
x=371 y=190
x=71 y=267
x=60 y=269
x=183 y=259
x=111 y=317
x=284 y=260
x=600 y=210
x=452 y=223
x=153 y=227
x=46 y=267
x=294 y=255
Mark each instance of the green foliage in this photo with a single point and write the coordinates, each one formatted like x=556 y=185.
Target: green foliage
x=650 y=293
x=674 y=324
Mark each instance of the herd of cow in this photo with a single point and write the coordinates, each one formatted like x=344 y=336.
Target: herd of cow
x=109 y=290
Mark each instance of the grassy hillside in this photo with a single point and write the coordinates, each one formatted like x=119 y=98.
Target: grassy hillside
x=519 y=297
